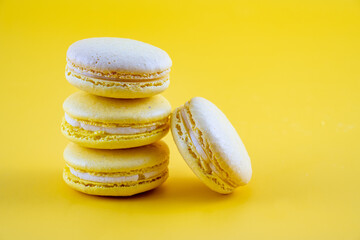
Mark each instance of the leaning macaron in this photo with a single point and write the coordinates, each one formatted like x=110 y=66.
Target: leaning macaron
x=110 y=123
x=210 y=145
x=121 y=172
x=117 y=67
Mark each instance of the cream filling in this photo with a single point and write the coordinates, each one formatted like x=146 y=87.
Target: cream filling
x=108 y=179
x=86 y=74
x=200 y=150
x=110 y=130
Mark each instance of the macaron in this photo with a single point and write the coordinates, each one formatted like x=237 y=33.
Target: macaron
x=121 y=172
x=210 y=145
x=117 y=67
x=110 y=123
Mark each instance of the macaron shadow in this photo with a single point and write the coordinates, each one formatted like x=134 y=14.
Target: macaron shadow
x=178 y=190
x=191 y=190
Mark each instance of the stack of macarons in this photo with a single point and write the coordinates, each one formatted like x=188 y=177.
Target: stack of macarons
x=116 y=122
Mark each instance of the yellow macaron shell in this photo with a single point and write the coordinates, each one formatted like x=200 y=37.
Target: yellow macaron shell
x=148 y=157
x=226 y=164
x=113 y=113
x=85 y=106
x=117 y=67
x=130 y=165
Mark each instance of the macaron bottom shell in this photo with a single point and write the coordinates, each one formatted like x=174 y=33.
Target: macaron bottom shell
x=113 y=189
x=118 y=89
x=192 y=157
x=103 y=140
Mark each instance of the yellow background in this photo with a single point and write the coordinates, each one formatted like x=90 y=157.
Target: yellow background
x=286 y=73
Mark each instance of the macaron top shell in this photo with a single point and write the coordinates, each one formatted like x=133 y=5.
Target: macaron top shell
x=118 y=55
x=98 y=160
x=222 y=139
x=85 y=106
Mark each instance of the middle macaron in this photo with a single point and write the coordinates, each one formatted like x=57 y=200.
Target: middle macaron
x=109 y=123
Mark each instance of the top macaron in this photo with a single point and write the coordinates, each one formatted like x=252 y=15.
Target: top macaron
x=117 y=67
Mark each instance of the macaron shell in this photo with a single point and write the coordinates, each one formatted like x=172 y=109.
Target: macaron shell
x=85 y=106
x=114 y=89
x=222 y=139
x=148 y=157
x=191 y=157
x=111 y=141
x=127 y=162
x=119 y=55
x=102 y=189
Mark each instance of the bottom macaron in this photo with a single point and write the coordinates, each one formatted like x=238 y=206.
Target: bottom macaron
x=122 y=172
